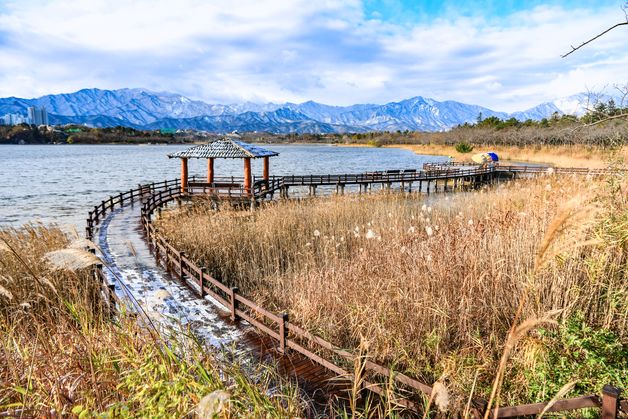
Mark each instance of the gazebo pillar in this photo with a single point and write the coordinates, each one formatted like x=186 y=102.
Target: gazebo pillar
x=184 y=175
x=266 y=168
x=210 y=170
x=247 y=175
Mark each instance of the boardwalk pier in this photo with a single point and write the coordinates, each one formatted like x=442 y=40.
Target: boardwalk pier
x=300 y=352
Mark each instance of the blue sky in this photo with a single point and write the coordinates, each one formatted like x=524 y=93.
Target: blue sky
x=500 y=54
x=408 y=11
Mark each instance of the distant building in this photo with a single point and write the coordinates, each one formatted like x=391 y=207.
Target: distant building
x=13 y=119
x=38 y=116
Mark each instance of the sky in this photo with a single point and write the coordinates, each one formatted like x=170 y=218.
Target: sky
x=504 y=55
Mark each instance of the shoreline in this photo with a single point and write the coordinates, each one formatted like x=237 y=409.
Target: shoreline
x=558 y=156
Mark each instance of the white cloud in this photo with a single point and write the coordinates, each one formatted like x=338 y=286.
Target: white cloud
x=300 y=50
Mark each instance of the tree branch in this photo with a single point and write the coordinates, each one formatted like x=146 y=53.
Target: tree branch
x=574 y=49
x=608 y=118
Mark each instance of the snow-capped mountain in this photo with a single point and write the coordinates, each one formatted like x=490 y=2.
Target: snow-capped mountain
x=141 y=108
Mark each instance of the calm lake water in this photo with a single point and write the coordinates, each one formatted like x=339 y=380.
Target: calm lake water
x=61 y=183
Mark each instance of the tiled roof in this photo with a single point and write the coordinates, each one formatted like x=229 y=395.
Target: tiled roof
x=225 y=148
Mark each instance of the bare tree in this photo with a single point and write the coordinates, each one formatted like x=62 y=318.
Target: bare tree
x=574 y=49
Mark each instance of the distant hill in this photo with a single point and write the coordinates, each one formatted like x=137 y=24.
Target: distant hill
x=144 y=109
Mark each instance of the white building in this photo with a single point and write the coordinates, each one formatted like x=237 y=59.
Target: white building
x=38 y=116
x=13 y=119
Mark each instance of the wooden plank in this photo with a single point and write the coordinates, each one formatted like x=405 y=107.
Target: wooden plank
x=401 y=378
x=239 y=298
x=215 y=296
x=244 y=315
x=582 y=402
x=192 y=267
x=216 y=283
x=330 y=366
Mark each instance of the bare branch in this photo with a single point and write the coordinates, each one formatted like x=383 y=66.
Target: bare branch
x=608 y=118
x=574 y=49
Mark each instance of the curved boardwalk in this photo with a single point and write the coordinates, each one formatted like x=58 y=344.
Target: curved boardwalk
x=165 y=299
x=173 y=306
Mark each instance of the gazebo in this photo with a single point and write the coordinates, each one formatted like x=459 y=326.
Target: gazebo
x=225 y=148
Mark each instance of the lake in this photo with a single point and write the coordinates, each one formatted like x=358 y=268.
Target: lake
x=61 y=183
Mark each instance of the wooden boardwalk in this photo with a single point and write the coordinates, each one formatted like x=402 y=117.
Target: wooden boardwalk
x=317 y=364
x=434 y=177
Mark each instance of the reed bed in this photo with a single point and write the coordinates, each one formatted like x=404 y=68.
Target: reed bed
x=433 y=285
x=592 y=157
x=62 y=354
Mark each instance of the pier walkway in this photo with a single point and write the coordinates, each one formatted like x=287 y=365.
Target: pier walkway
x=175 y=291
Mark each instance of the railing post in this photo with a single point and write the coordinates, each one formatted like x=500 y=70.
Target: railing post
x=181 y=256
x=610 y=402
x=97 y=267
x=155 y=246
x=112 y=297
x=282 y=332
x=201 y=281
x=167 y=258
x=234 y=304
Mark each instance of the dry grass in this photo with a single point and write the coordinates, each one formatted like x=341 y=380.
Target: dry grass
x=62 y=354
x=559 y=156
x=432 y=285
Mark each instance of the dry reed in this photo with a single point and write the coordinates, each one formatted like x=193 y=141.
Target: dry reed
x=61 y=354
x=433 y=284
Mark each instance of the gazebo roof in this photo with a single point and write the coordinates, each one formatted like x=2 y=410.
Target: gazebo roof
x=225 y=148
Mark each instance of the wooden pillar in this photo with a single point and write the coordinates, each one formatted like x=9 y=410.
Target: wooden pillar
x=210 y=170
x=266 y=168
x=610 y=402
x=247 y=175
x=184 y=175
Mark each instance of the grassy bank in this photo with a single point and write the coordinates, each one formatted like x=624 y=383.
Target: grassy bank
x=559 y=156
x=434 y=286
x=61 y=353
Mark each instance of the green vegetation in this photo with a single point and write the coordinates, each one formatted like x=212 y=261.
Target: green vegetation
x=464 y=147
x=575 y=351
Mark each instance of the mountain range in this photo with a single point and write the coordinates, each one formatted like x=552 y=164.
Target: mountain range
x=144 y=109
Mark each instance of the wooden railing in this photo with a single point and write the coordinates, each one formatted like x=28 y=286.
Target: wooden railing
x=520 y=168
x=289 y=335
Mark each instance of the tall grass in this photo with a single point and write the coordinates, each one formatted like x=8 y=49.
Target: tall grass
x=433 y=284
x=560 y=156
x=61 y=353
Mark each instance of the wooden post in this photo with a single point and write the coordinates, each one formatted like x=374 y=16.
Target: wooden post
x=282 y=332
x=266 y=168
x=210 y=170
x=184 y=175
x=201 y=281
x=181 y=256
x=247 y=175
x=234 y=305
x=610 y=402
